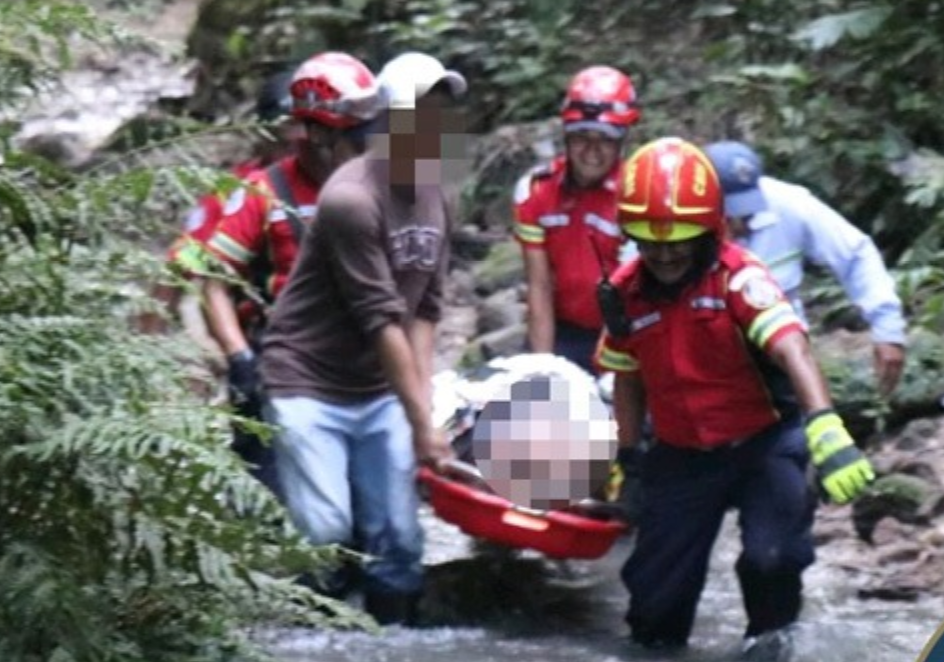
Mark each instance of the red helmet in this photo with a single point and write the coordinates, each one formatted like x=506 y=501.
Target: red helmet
x=670 y=192
x=601 y=99
x=335 y=89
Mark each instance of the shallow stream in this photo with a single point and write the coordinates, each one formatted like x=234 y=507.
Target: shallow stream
x=531 y=611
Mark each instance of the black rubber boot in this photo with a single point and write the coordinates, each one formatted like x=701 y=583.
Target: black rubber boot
x=772 y=600
x=392 y=608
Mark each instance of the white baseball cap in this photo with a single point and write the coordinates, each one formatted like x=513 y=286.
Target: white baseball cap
x=410 y=76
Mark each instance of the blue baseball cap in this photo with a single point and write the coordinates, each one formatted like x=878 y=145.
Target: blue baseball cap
x=739 y=168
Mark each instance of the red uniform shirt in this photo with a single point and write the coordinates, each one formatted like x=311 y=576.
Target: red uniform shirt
x=704 y=385
x=566 y=222
x=201 y=222
x=255 y=222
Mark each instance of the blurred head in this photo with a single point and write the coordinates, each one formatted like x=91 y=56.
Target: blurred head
x=544 y=441
x=273 y=107
x=599 y=107
x=670 y=203
x=335 y=97
x=274 y=100
x=421 y=98
x=739 y=168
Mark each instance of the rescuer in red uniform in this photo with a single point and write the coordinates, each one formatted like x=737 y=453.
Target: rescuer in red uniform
x=565 y=216
x=334 y=98
x=702 y=338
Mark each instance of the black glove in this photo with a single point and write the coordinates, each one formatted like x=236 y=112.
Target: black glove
x=243 y=383
x=624 y=487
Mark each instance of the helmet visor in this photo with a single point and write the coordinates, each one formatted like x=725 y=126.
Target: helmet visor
x=360 y=108
x=662 y=231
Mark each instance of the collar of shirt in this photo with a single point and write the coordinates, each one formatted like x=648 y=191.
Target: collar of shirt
x=763 y=219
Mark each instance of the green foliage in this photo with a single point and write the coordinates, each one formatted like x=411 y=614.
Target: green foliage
x=866 y=100
x=827 y=31
x=128 y=530
x=519 y=55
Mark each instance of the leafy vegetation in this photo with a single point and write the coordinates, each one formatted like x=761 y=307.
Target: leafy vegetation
x=128 y=530
x=839 y=95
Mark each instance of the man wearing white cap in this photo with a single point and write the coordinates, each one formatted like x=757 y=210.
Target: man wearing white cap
x=347 y=360
x=785 y=225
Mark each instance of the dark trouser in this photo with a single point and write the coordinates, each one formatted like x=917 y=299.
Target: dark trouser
x=576 y=344
x=686 y=494
x=259 y=455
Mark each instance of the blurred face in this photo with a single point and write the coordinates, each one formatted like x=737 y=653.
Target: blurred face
x=421 y=139
x=591 y=156
x=280 y=140
x=667 y=261
x=544 y=442
x=321 y=150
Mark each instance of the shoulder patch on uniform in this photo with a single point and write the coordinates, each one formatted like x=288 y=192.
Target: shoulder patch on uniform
x=235 y=201
x=741 y=277
x=523 y=187
x=195 y=219
x=761 y=292
x=542 y=171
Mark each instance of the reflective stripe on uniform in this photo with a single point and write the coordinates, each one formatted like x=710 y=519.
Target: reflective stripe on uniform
x=231 y=249
x=766 y=325
x=192 y=257
x=617 y=361
x=529 y=234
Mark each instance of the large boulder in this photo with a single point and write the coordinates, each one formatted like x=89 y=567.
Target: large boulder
x=502 y=268
x=905 y=498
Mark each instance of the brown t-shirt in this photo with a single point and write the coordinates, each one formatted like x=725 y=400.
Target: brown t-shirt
x=369 y=259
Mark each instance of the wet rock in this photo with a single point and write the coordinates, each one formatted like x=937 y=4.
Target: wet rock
x=74 y=118
x=923 y=470
x=832 y=524
x=898 y=496
x=910 y=570
x=896 y=551
x=501 y=268
x=500 y=159
x=900 y=589
x=460 y=288
x=453 y=334
x=917 y=435
x=888 y=532
x=469 y=244
x=498 y=584
x=500 y=310
x=503 y=342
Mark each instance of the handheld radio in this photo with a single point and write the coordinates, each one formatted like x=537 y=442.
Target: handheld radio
x=609 y=300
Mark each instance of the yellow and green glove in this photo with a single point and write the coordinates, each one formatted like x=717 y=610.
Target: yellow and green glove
x=842 y=469
x=624 y=486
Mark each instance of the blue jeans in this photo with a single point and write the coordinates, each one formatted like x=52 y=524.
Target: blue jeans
x=348 y=477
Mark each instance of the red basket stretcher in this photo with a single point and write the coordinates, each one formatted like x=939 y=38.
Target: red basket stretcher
x=461 y=497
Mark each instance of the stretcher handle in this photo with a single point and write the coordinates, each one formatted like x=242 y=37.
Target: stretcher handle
x=598 y=510
x=466 y=473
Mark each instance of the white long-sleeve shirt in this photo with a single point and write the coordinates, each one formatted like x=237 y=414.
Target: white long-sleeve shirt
x=797 y=226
